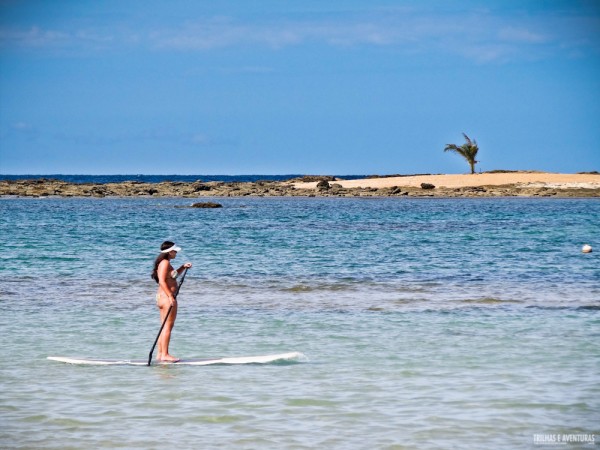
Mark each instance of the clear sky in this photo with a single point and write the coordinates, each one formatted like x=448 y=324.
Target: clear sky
x=290 y=87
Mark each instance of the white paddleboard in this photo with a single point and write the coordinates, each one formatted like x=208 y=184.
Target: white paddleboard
x=266 y=359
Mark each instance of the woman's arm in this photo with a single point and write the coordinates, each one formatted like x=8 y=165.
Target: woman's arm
x=182 y=267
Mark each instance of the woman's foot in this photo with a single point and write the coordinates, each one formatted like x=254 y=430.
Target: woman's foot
x=168 y=358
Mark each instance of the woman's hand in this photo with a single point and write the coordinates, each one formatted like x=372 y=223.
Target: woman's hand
x=187 y=265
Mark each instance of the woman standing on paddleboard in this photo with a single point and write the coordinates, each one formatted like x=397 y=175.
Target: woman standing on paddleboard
x=166 y=277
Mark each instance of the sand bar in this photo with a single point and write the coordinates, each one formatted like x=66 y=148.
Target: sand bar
x=521 y=184
x=533 y=179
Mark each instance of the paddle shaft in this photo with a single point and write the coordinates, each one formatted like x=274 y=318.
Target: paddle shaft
x=166 y=317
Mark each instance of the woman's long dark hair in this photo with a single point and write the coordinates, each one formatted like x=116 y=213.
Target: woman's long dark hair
x=161 y=257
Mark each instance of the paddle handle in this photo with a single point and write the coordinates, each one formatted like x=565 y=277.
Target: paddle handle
x=166 y=317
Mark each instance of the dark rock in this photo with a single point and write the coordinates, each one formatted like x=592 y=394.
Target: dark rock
x=323 y=184
x=199 y=186
x=475 y=189
x=311 y=178
x=427 y=186
x=206 y=205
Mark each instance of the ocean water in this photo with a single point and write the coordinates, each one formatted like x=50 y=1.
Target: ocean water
x=426 y=323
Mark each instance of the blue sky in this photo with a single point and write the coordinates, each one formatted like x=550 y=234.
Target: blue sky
x=289 y=87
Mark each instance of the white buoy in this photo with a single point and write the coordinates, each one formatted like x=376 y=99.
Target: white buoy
x=586 y=249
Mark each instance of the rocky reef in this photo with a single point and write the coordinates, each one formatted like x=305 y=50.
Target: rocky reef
x=326 y=187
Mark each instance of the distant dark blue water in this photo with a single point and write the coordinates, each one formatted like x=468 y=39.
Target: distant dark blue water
x=103 y=179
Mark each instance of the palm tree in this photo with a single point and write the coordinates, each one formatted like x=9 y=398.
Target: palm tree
x=468 y=151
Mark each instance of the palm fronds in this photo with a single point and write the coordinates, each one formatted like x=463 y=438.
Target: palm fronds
x=468 y=151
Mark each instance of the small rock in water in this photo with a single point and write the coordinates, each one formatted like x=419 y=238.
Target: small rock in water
x=206 y=205
x=586 y=249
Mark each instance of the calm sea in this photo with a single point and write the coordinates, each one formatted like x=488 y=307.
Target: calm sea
x=426 y=323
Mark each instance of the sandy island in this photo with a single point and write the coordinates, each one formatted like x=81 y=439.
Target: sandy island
x=521 y=179
x=505 y=184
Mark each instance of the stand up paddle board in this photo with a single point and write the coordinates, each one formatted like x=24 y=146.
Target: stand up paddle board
x=266 y=359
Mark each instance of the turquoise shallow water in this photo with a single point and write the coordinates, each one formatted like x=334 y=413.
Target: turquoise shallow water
x=426 y=323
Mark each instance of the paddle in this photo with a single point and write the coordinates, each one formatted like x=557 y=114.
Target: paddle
x=166 y=317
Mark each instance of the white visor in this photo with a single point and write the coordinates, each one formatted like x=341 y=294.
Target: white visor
x=172 y=249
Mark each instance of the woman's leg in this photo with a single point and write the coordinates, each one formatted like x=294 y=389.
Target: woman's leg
x=165 y=336
x=159 y=305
